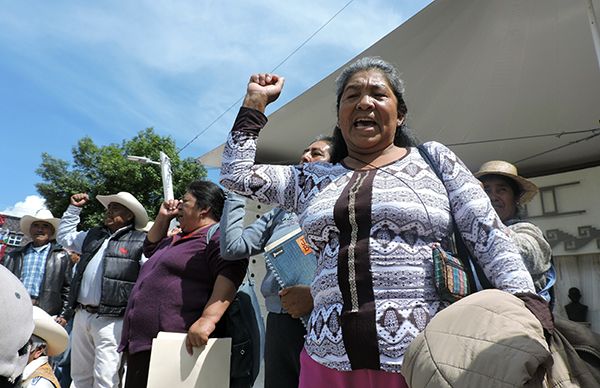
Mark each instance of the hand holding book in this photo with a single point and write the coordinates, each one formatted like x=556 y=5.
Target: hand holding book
x=297 y=300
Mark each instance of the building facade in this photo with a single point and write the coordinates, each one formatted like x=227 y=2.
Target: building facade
x=567 y=209
x=11 y=235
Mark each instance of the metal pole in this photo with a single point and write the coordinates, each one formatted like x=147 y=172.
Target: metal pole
x=594 y=26
x=167 y=176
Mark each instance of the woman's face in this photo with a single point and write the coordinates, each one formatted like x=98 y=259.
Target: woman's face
x=501 y=195
x=189 y=216
x=368 y=113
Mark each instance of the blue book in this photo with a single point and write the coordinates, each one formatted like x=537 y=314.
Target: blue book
x=292 y=261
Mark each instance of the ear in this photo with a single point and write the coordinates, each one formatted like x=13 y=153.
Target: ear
x=400 y=121
x=38 y=352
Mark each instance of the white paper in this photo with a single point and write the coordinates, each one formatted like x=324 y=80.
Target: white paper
x=172 y=367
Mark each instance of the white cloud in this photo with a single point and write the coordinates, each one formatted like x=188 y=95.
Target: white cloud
x=30 y=205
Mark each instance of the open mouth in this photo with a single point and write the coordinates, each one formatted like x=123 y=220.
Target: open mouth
x=364 y=123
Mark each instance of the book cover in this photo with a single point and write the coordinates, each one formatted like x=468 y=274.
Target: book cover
x=292 y=261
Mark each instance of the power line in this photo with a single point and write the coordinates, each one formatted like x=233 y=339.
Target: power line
x=312 y=36
x=556 y=134
x=559 y=147
x=272 y=71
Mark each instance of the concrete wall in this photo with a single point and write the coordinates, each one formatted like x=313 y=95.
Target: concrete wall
x=567 y=209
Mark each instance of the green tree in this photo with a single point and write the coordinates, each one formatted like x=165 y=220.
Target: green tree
x=105 y=170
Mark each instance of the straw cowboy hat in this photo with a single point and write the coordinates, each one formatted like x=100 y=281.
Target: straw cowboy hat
x=129 y=201
x=41 y=215
x=55 y=336
x=500 y=167
x=16 y=324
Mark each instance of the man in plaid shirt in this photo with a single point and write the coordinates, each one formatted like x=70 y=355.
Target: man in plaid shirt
x=43 y=266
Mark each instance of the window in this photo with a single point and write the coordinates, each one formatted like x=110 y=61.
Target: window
x=548 y=196
x=14 y=239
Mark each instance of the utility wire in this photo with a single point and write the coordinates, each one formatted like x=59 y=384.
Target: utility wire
x=272 y=71
x=559 y=147
x=556 y=134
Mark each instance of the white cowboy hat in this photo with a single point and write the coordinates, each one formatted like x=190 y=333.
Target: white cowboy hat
x=55 y=336
x=129 y=201
x=500 y=167
x=16 y=324
x=41 y=215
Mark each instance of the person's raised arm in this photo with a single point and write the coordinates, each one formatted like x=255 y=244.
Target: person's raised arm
x=238 y=242
x=67 y=234
x=168 y=210
x=270 y=184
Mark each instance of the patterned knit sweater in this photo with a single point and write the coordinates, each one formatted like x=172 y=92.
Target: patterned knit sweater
x=373 y=290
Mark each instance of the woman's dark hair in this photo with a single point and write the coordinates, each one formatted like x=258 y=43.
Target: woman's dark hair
x=208 y=195
x=404 y=137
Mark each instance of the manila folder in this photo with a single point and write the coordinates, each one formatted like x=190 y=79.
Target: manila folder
x=171 y=365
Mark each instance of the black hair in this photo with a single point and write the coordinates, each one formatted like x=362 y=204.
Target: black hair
x=208 y=195
x=574 y=294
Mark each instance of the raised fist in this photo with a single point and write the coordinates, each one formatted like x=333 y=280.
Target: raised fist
x=79 y=199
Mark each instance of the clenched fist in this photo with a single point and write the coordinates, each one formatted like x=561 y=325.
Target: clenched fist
x=79 y=199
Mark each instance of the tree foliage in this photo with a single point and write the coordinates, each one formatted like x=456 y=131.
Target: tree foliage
x=105 y=170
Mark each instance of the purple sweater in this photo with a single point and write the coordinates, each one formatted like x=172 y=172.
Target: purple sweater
x=174 y=286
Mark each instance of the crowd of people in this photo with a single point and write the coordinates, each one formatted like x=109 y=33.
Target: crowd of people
x=370 y=206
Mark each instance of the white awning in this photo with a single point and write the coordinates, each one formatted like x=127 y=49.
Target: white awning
x=477 y=71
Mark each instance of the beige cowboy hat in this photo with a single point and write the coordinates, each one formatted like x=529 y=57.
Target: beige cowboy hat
x=45 y=327
x=41 y=215
x=500 y=167
x=126 y=199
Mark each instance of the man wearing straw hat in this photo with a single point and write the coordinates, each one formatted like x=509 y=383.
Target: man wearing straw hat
x=104 y=276
x=48 y=339
x=508 y=191
x=42 y=265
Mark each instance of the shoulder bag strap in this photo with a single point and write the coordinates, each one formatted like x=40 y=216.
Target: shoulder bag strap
x=462 y=251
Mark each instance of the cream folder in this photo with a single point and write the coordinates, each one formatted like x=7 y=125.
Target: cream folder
x=172 y=367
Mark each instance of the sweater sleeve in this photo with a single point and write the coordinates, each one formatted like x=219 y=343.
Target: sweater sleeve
x=269 y=184
x=484 y=234
x=238 y=242
x=534 y=249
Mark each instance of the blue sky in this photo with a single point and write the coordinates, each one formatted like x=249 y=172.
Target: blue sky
x=110 y=69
